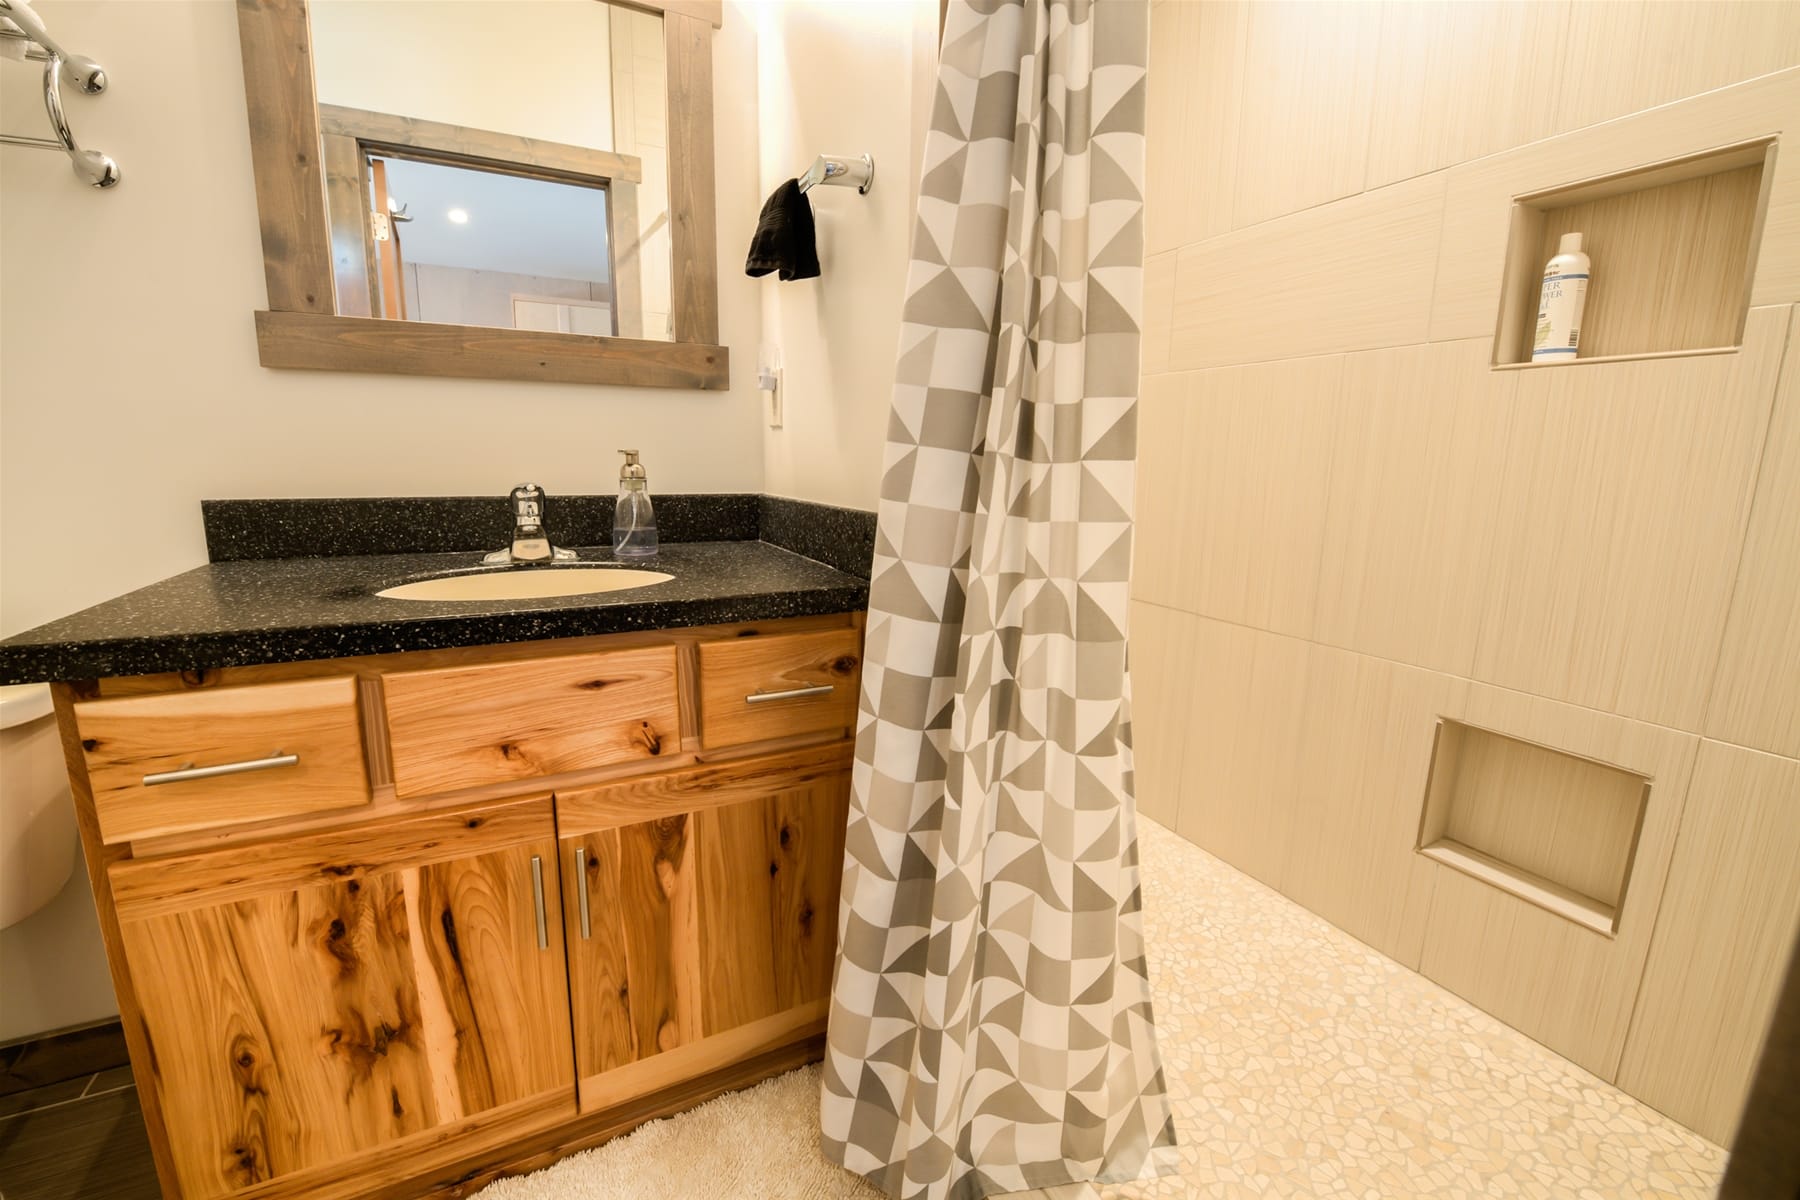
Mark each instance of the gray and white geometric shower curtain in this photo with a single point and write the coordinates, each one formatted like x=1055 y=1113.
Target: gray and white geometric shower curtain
x=991 y=1028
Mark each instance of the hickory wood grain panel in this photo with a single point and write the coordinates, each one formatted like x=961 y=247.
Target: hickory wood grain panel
x=456 y=727
x=1756 y=691
x=702 y=925
x=305 y=1027
x=125 y=739
x=732 y=671
x=1723 y=934
x=143 y=887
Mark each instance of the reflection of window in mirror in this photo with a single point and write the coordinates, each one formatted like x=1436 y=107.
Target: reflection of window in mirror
x=497 y=162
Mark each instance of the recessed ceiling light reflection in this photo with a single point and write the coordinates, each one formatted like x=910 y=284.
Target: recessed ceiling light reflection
x=458 y=216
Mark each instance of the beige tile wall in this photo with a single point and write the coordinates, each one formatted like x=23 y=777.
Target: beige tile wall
x=1351 y=527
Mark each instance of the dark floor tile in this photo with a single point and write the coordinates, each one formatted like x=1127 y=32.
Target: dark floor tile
x=110 y=1081
x=41 y=1097
x=91 y=1149
x=48 y=1058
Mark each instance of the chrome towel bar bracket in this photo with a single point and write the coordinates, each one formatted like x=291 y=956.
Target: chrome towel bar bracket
x=18 y=23
x=840 y=170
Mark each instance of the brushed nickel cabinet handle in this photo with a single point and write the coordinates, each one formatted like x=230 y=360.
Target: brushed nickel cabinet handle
x=276 y=759
x=823 y=689
x=537 y=896
x=581 y=888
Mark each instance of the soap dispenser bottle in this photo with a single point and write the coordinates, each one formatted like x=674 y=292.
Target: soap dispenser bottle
x=634 y=521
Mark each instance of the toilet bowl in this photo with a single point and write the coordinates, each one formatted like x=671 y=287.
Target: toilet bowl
x=37 y=822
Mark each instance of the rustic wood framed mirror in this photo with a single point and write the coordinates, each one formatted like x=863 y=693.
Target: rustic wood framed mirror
x=593 y=256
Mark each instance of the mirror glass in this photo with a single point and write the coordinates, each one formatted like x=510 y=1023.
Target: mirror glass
x=497 y=162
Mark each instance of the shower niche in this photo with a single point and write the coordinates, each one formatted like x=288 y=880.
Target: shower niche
x=1674 y=247
x=1552 y=828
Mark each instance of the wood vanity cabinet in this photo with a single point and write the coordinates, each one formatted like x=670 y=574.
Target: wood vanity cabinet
x=536 y=909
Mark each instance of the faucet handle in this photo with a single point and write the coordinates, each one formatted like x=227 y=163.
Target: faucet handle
x=528 y=505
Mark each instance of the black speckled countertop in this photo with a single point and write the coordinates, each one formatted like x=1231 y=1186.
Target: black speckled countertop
x=284 y=610
x=296 y=579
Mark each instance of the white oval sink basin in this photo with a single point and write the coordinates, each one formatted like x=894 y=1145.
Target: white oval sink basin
x=545 y=584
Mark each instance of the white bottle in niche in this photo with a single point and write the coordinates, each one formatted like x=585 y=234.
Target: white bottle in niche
x=1560 y=303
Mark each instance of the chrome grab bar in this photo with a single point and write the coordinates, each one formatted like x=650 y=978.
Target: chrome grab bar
x=581 y=887
x=537 y=896
x=823 y=689
x=277 y=759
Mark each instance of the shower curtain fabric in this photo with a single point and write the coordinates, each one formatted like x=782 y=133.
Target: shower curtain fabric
x=991 y=1028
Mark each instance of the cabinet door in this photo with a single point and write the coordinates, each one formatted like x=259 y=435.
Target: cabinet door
x=319 y=1007
x=701 y=909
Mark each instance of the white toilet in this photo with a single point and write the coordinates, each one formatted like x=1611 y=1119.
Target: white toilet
x=37 y=822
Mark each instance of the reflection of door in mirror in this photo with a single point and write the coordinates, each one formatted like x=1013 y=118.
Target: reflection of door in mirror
x=522 y=145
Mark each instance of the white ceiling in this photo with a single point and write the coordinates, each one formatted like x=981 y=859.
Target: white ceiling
x=524 y=226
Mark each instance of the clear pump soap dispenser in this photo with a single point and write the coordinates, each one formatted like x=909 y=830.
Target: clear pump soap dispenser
x=634 y=521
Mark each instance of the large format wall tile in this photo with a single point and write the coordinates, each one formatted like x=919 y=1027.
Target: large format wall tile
x=1415 y=472
x=1756 y=695
x=1479 y=199
x=1563 y=983
x=1366 y=747
x=1196 y=77
x=1621 y=517
x=1162 y=694
x=1723 y=935
x=1352 y=275
x=1243 y=744
x=1159 y=311
x=1309 y=69
x=1626 y=57
x=1162 y=498
x=1256 y=456
x=1458 y=81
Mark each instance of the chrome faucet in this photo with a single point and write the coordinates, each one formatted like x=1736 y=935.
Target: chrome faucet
x=530 y=540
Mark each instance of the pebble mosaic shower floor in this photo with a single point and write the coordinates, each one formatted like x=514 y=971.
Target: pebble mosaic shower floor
x=1304 y=1064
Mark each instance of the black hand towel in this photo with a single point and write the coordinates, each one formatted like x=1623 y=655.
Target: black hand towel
x=784 y=239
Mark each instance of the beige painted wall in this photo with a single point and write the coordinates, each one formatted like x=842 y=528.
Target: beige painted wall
x=1351 y=527
x=534 y=68
x=840 y=78
x=130 y=390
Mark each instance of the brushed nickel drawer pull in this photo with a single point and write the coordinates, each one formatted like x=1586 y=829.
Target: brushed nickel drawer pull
x=581 y=887
x=823 y=689
x=537 y=896
x=277 y=759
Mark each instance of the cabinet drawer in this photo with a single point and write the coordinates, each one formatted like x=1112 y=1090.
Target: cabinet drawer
x=777 y=686
x=460 y=727
x=198 y=760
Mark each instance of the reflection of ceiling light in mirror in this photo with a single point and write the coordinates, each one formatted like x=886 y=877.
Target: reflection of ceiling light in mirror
x=458 y=216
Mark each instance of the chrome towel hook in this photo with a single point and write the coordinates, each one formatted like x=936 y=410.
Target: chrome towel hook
x=18 y=23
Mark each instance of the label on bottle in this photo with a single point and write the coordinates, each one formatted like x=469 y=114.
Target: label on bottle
x=1558 y=332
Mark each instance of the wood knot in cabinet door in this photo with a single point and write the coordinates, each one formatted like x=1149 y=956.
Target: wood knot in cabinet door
x=649 y=738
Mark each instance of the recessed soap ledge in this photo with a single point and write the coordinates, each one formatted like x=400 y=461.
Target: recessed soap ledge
x=1674 y=248
x=1551 y=828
